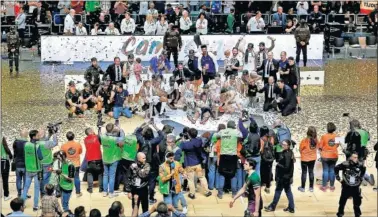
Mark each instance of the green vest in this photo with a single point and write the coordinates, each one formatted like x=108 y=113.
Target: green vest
x=130 y=146
x=32 y=163
x=63 y=182
x=4 y=154
x=111 y=151
x=364 y=137
x=46 y=153
x=229 y=142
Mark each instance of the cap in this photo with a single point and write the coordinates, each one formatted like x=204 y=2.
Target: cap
x=231 y=124
x=245 y=72
x=71 y=83
x=224 y=90
x=261 y=44
x=250 y=45
x=130 y=56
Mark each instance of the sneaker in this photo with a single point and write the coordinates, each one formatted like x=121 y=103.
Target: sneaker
x=311 y=189
x=105 y=194
x=364 y=183
x=267 y=190
x=79 y=194
x=372 y=180
x=152 y=202
x=90 y=191
x=35 y=209
x=185 y=210
x=7 y=198
x=289 y=210
x=269 y=209
x=208 y=194
x=375 y=189
x=220 y=196
x=301 y=189
x=324 y=189
x=192 y=196
x=112 y=195
x=332 y=188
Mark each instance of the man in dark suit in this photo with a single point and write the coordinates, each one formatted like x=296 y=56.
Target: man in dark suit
x=270 y=89
x=38 y=17
x=181 y=73
x=115 y=72
x=268 y=68
x=286 y=101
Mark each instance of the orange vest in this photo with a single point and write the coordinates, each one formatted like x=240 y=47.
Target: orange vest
x=328 y=146
x=307 y=153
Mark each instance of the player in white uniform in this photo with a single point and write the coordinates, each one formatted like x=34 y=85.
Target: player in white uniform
x=133 y=83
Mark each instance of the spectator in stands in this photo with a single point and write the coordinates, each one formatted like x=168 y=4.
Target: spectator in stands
x=315 y=19
x=149 y=25
x=69 y=23
x=216 y=7
x=373 y=20
x=290 y=27
x=175 y=18
x=77 y=6
x=127 y=25
x=208 y=64
x=302 y=7
x=169 y=10
x=105 y=6
x=152 y=11
x=111 y=30
x=64 y=6
x=38 y=17
x=201 y=24
x=185 y=23
x=20 y=22
x=256 y=23
x=230 y=21
x=291 y=16
x=279 y=18
x=302 y=37
x=193 y=5
x=97 y=30
x=227 y=6
x=120 y=7
x=161 y=25
x=80 y=29
x=92 y=10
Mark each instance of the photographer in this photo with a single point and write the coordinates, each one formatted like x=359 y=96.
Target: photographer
x=33 y=156
x=13 y=43
x=194 y=158
x=138 y=183
x=66 y=179
x=112 y=143
x=92 y=74
x=148 y=145
x=94 y=158
x=46 y=146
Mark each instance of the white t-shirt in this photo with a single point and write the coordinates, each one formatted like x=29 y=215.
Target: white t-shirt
x=143 y=7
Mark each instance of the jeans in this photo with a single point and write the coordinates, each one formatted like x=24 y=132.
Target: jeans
x=123 y=171
x=266 y=173
x=77 y=180
x=173 y=198
x=109 y=176
x=310 y=166
x=240 y=175
x=221 y=181
x=118 y=111
x=298 y=52
x=5 y=167
x=66 y=199
x=258 y=163
x=283 y=186
x=20 y=180
x=28 y=181
x=152 y=184
x=95 y=168
x=212 y=165
x=46 y=177
x=328 y=172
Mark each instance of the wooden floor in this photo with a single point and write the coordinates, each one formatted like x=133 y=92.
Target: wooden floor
x=317 y=203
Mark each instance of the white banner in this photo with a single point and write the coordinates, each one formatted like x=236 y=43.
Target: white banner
x=105 y=48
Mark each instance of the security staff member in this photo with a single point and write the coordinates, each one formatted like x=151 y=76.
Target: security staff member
x=92 y=74
x=33 y=157
x=13 y=43
x=353 y=174
x=302 y=37
x=66 y=179
x=172 y=43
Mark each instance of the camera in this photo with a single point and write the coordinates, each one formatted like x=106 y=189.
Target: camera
x=53 y=127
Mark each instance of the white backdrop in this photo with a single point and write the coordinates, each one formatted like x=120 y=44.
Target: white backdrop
x=105 y=48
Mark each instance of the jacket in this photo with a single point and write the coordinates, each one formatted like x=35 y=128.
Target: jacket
x=213 y=57
x=276 y=18
x=302 y=34
x=285 y=167
x=307 y=150
x=148 y=147
x=165 y=171
x=293 y=78
x=138 y=173
x=350 y=171
x=18 y=150
x=93 y=74
x=193 y=152
x=13 y=42
x=172 y=39
x=265 y=89
x=111 y=72
x=272 y=71
x=288 y=96
x=186 y=73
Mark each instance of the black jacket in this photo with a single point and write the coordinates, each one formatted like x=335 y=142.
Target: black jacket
x=110 y=71
x=302 y=34
x=172 y=39
x=138 y=171
x=272 y=71
x=288 y=96
x=293 y=78
x=93 y=74
x=376 y=153
x=42 y=17
x=6 y=148
x=285 y=167
x=350 y=171
x=265 y=90
x=19 y=154
x=186 y=73
x=148 y=147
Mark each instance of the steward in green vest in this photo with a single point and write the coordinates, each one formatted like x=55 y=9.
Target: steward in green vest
x=66 y=179
x=229 y=139
x=46 y=149
x=130 y=148
x=33 y=157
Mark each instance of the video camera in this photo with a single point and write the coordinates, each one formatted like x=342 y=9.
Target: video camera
x=53 y=127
